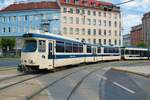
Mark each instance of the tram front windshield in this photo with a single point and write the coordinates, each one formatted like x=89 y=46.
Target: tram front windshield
x=30 y=46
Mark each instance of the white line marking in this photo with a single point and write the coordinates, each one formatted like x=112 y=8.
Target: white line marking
x=123 y=87
x=103 y=77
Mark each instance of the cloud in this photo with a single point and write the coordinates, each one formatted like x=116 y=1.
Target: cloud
x=129 y=21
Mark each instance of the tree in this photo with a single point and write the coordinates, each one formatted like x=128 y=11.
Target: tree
x=8 y=44
x=142 y=44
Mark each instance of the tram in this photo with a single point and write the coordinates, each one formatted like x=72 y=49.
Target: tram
x=49 y=51
x=128 y=53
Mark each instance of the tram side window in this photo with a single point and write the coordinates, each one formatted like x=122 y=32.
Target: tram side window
x=42 y=46
x=116 y=50
x=75 y=48
x=99 y=49
x=59 y=46
x=89 y=49
x=80 y=48
x=68 y=47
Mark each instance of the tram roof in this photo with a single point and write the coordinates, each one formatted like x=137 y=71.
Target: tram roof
x=59 y=38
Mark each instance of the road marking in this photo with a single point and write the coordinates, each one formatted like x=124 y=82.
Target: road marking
x=100 y=76
x=123 y=87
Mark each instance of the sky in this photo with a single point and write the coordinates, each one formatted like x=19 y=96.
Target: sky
x=132 y=12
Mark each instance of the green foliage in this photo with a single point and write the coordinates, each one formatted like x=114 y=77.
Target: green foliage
x=142 y=44
x=7 y=43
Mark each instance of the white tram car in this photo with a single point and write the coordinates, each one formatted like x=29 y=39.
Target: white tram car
x=49 y=51
x=128 y=53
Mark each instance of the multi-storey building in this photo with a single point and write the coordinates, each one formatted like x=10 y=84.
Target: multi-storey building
x=86 y=20
x=146 y=28
x=136 y=35
x=127 y=40
x=91 y=21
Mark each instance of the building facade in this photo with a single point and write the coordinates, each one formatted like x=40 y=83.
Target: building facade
x=127 y=40
x=136 y=35
x=146 y=28
x=86 y=20
x=91 y=21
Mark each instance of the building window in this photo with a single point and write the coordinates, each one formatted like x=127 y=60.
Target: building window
x=14 y=18
x=94 y=21
x=13 y=29
x=19 y=18
x=115 y=42
x=71 y=30
x=89 y=31
x=77 y=30
x=105 y=41
x=83 y=11
x=100 y=23
x=77 y=20
x=109 y=23
x=94 y=31
x=89 y=12
x=100 y=32
x=104 y=14
x=94 y=41
x=64 y=10
x=94 y=13
x=115 y=23
x=9 y=29
x=109 y=32
x=104 y=22
x=78 y=11
x=71 y=20
x=71 y=10
x=65 y=19
x=100 y=42
x=89 y=21
x=105 y=32
x=115 y=32
x=9 y=19
x=25 y=18
x=4 y=30
x=109 y=41
x=83 y=31
x=89 y=40
x=65 y=30
x=99 y=13
x=83 y=20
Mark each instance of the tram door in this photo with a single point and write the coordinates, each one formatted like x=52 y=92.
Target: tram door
x=51 y=53
x=94 y=54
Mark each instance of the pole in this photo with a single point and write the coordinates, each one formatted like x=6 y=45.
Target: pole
x=148 y=47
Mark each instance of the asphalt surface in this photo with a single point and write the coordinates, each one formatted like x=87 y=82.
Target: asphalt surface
x=9 y=62
x=104 y=84
x=123 y=86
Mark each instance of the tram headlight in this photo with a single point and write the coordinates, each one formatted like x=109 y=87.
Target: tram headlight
x=30 y=61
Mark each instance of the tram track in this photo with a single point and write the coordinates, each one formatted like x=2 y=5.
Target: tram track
x=20 y=81
x=11 y=77
x=62 y=78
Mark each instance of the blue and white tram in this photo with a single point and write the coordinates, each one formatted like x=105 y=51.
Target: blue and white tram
x=49 y=51
x=128 y=53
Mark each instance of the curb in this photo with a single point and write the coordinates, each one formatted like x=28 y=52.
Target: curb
x=131 y=72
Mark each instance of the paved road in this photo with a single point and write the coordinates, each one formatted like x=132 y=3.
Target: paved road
x=9 y=62
x=123 y=86
x=104 y=84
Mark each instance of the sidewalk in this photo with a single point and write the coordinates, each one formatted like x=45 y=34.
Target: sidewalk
x=139 y=70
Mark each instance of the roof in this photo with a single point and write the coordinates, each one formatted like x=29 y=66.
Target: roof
x=31 y=6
